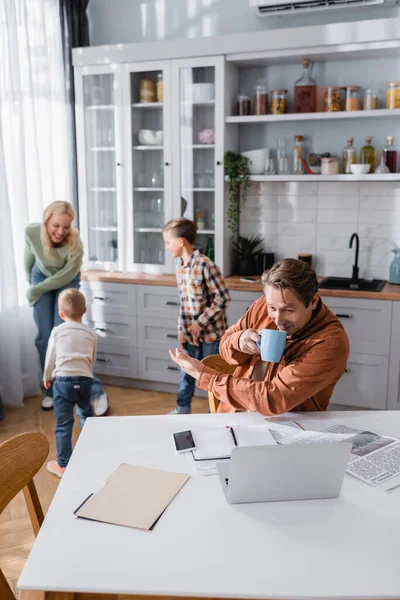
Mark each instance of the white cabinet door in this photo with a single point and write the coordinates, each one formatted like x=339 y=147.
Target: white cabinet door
x=104 y=299
x=241 y=302
x=198 y=138
x=118 y=361
x=147 y=110
x=98 y=130
x=364 y=384
x=157 y=366
x=367 y=323
x=160 y=302
x=157 y=334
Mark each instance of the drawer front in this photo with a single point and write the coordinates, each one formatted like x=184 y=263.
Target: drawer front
x=161 y=302
x=115 y=331
x=241 y=302
x=367 y=323
x=157 y=334
x=109 y=298
x=116 y=360
x=364 y=385
x=157 y=366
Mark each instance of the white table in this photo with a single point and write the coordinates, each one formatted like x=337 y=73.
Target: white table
x=348 y=547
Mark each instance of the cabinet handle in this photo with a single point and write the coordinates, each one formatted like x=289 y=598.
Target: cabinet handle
x=170 y=303
x=167 y=164
x=118 y=164
x=102 y=360
x=218 y=162
x=340 y=316
x=99 y=298
x=347 y=370
x=172 y=335
x=172 y=368
x=100 y=329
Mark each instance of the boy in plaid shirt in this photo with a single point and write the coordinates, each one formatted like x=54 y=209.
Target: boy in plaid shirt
x=203 y=301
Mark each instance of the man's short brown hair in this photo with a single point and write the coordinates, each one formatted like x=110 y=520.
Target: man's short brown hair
x=72 y=303
x=295 y=275
x=182 y=228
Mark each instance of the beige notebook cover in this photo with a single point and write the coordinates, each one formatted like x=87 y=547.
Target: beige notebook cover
x=133 y=496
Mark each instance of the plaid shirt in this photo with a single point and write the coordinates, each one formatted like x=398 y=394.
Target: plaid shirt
x=203 y=298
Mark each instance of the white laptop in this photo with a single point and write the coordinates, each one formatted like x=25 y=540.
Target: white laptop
x=285 y=472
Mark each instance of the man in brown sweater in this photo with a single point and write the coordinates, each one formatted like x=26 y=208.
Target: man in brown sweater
x=314 y=358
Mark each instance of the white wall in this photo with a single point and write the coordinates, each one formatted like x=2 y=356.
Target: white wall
x=319 y=218
x=124 y=21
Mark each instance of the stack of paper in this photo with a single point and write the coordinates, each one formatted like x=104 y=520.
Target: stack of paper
x=133 y=496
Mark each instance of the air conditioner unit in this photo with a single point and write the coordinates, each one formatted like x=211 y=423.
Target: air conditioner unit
x=267 y=8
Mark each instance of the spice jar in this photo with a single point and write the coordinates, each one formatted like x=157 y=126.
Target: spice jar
x=353 y=101
x=330 y=166
x=298 y=155
x=279 y=102
x=160 y=87
x=242 y=105
x=147 y=90
x=371 y=98
x=333 y=98
x=260 y=105
x=393 y=94
x=199 y=219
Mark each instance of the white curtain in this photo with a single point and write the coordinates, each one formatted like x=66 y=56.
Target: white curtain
x=33 y=170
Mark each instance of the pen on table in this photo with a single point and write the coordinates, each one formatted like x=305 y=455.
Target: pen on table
x=234 y=436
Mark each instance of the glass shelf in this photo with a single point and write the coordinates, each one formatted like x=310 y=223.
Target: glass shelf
x=148 y=105
x=148 y=189
x=148 y=147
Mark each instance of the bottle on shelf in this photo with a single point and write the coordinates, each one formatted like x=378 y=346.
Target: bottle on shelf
x=368 y=154
x=242 y=104
x=382 y=169
x=349 y=155
x=305 y=91
x=210 y=252
x=260 y=103
x=298 y=155
x=390 y=155
x=282 y=162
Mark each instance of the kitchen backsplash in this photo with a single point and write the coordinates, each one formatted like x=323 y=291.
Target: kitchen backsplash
x=296 y=217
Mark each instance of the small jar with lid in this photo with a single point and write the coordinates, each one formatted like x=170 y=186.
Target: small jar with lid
x=353 y=101
x=334 y=98
x=330 y=165
x=147 y=90
x=371 y=98
x=242 y=105
x=393 y=94
x=279 y=102
x=260 y=104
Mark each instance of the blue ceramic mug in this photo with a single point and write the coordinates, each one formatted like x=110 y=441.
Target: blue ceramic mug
x=272 y=344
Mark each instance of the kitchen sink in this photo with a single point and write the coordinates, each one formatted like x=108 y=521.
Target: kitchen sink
x=346 y=283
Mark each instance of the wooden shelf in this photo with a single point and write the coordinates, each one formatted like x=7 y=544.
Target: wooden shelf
x=318 y=116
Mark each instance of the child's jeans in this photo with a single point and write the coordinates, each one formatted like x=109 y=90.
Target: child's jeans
x=187 y=383
x=68 y=391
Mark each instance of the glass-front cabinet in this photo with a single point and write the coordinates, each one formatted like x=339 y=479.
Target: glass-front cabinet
x=99 y=179
x=150 y=148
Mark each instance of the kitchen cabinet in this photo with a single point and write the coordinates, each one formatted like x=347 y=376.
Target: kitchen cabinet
x=142 y=163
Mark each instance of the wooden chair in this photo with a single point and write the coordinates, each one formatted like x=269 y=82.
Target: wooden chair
x=20 y=459
x=216 y=362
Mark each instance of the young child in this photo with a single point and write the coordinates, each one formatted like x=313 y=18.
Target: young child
x=203 y=301
x=70 y=356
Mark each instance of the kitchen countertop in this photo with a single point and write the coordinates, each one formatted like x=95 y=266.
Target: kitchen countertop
x=234 y=283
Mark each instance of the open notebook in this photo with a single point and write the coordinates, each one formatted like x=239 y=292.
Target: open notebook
x=218 y=442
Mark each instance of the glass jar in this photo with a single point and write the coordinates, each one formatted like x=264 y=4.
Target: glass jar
x=330 y=165
x=393 y=94
x=349 y=156
x=305 y=91
x=242 y=105
x=394 y=271
x=390 y=155
x=147 y=90
x=333 y=98
x=279 y=102
x=353 y=101
x=371 y=98
x=282 y=162
x=368 y=154
x=260 y=104
x=298 y=155
x=160 y=87
x=199 y=219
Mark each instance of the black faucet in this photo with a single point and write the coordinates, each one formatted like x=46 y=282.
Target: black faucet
x=354 y=277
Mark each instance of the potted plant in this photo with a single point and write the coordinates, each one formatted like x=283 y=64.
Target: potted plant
x=239 y=183
x=247 y=251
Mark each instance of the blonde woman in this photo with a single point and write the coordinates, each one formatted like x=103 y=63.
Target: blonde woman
x=53 y=259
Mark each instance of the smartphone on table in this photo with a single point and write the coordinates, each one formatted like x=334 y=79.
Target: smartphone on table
x=184 y=441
